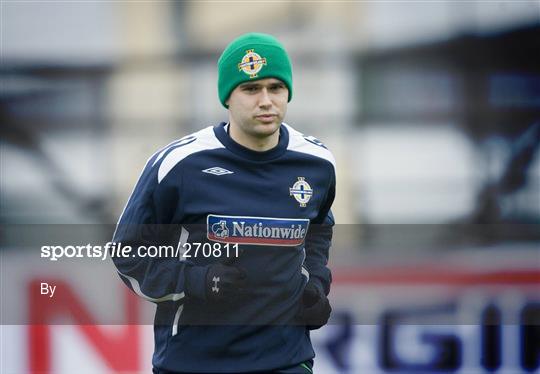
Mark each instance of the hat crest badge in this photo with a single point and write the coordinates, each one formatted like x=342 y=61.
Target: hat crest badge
x=251 y=63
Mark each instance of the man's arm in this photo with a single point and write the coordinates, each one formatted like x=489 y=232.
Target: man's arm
x=315 y=305
x=144 y=223
x=318 y=242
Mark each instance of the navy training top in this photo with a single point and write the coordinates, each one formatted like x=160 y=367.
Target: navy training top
x=274 y=206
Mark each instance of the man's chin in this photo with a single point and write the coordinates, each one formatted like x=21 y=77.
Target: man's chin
x=267 y=128
x=262 y=133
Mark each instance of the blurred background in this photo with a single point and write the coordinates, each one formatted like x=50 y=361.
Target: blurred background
x=432 y=110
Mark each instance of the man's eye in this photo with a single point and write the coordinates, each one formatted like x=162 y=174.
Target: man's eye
x=250 y=89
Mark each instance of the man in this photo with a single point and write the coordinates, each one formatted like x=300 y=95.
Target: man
x=248 y=202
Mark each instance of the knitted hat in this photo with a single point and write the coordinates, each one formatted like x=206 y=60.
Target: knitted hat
x=250 y=57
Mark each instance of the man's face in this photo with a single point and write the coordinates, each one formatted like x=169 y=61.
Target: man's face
x=257 y=108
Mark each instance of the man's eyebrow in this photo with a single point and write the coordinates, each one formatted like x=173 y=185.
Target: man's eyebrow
x=249 y=84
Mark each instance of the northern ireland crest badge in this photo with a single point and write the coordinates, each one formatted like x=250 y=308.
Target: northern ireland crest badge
x=251 y=63
x=301 y=191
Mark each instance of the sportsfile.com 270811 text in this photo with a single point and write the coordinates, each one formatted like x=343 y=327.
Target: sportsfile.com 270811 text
x=182 y=251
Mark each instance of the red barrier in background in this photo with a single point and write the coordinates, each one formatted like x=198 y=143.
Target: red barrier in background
x=120 y=350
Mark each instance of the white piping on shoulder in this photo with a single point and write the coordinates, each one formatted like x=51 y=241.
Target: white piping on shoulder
x=205 y=140
x=161 y=152
x=298 y=143
x=168 y=146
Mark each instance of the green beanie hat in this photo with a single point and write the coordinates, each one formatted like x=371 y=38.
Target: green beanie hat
x=250 y=57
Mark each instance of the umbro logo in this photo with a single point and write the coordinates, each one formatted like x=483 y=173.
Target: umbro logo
x=216 y=170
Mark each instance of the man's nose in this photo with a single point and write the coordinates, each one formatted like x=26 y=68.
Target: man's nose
x=264 y=99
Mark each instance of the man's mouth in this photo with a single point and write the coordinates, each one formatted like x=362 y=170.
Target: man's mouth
x=266 y=117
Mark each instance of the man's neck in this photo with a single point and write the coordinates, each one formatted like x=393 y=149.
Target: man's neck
x=255 y=144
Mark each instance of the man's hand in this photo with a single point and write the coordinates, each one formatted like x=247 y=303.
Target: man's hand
x=315 y=310
x=223 y=282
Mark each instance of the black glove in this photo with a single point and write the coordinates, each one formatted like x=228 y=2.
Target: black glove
x=223 y=282
x=315 y=309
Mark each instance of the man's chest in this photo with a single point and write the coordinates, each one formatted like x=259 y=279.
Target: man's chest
x=291 y=189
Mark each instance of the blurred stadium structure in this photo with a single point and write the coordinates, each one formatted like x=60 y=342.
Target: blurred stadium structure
x=432 y=110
